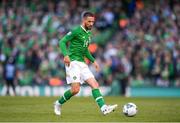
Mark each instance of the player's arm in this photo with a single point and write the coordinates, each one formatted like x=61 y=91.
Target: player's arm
x=62 y=44
x=92 y=59
x=89 y=56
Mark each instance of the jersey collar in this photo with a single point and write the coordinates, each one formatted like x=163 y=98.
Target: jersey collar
x=84 y=29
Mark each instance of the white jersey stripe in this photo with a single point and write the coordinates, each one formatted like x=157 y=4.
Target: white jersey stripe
x=98 y=98
x=64 y=98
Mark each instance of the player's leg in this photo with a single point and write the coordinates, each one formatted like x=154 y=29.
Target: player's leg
x=73 y=78
x=99 y=98
x=96 y=92
x=75 y=87
x=88 y=77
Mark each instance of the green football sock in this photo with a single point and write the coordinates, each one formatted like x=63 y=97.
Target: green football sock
x=98 y=97
x=67 y=95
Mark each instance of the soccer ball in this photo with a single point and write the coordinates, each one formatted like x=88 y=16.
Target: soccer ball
x=130 y=109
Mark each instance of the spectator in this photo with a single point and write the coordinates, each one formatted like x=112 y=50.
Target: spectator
x=10 y=75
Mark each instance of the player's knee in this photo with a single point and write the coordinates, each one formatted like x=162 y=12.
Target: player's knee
x=95 y=85
x=75 y=90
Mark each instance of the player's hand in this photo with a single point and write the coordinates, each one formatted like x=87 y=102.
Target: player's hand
x=67 y=60
x=96 y=65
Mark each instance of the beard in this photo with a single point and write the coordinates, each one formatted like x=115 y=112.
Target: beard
x=88 y=27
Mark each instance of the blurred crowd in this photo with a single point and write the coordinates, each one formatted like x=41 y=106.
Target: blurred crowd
x=136 y=42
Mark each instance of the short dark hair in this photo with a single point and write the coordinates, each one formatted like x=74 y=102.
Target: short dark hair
x=87 y=14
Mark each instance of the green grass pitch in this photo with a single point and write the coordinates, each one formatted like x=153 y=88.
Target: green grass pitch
x=84 y=109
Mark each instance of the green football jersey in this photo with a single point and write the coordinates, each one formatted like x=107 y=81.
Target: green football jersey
x=79 y=39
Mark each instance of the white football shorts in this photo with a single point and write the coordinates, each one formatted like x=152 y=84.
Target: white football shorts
x=78 y=72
